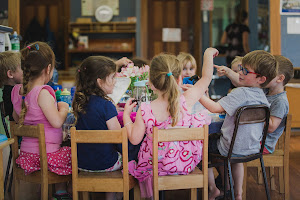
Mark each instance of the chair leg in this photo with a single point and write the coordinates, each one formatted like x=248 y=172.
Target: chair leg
x=44 y=191
x=50 y=190
x=85 y=195
x=230 y=181
x=286 y=181
x=161 y=195
x=137 y=192
x=11 y=180
x=74 y=194
x=16 y=188
x=245 y=182
x=281 y=180
x=272 y=179
x=265 y=178
x=7 y=169
x=225 y=178
x=193 y=193
x=259 y=176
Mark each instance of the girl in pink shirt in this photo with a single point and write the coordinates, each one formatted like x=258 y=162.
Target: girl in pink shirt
x=35 y=103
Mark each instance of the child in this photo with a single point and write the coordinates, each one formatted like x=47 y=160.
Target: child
x=257 y=70
x=169 y=110
x=279 y=102
x=232 y=73
x=94 y=110
x=35 y=103
x=10 y=75
x=189 y=70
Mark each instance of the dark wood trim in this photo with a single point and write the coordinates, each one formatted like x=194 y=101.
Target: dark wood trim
x=14 y=15
x=198 y=35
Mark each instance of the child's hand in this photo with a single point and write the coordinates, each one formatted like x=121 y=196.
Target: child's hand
x=221 y=70
x=212 y=51
x=129 y=106
x=185 y=87
x=123 y=62
x=62 y=106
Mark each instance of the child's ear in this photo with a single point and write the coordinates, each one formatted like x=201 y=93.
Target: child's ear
x=99 y=81
x=262 y=79
x=49 y=69
x=9 y=74
x=281 y=78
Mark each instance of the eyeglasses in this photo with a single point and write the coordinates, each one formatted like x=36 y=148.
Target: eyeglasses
x=245 y=71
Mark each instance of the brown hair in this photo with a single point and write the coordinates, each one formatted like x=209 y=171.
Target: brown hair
x=89 y=71
x=140 y=62
x=160 y=66
x=34 y=59
x=184 y=58
x=262 y=63
x=285 y=67
x=9 y=60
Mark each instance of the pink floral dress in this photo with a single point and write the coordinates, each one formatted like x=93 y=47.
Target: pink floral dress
x=174 y=158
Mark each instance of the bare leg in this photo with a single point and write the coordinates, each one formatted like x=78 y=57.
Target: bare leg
x=213 y=191
x=238 y=177
x=110 y=195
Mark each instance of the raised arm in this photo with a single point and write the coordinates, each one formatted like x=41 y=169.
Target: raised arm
x=193 y=94
x=233 y=76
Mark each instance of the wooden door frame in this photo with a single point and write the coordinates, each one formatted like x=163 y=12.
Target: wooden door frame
x=197 y=31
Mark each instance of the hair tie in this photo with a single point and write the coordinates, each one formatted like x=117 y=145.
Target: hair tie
x=28 y=47
x=169 y=74
x=78 y=70
x=23 y=97
x=37 y=47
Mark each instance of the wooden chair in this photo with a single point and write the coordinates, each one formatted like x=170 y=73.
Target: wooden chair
x=43 y=177
x=279 y=158
x=102 y=181
x=194 y=180
x=245 y=115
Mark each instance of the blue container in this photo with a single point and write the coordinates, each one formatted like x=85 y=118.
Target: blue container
x=72 y=92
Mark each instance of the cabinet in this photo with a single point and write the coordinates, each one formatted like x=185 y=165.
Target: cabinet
x=103 y=38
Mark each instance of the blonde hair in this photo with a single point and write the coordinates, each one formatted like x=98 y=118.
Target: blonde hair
x=34 y=59
x=184 y=58
x=285 y=67
x=236 y=59
x=9 y=60
x=160 y=68
x=262 y=63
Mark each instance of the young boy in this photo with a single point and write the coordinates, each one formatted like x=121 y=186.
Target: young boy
x=10 y=75
x=279 y=102
x=257 y=70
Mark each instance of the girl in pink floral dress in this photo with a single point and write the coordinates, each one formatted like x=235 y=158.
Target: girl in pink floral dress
x=34 y=103
x=169 y=110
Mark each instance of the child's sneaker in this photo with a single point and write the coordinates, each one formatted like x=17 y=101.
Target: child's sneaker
x=62 y=196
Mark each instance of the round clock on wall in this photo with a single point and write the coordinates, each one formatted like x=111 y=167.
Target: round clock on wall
x=104 y=13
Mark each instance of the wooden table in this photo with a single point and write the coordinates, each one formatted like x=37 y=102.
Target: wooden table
x=2 y=146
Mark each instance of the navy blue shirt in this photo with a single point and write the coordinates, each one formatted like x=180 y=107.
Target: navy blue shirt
x=96 y=156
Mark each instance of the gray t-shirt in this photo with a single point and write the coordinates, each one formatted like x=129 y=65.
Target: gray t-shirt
x=248 y=137
x=279 y=108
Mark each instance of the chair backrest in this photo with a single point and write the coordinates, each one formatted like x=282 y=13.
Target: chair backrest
x=284 y=140
x=251 y=114
x=34 y=131
x=3 y=115
x=100 y=136
x=179 y=134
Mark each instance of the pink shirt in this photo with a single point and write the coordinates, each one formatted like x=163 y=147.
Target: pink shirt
x=34 y=116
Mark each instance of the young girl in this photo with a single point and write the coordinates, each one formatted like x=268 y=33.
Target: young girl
x=35 y=103
x=169 y=110
x=188 y=63
x=94 y=110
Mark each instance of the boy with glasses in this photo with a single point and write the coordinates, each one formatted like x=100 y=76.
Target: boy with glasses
x=257 y=70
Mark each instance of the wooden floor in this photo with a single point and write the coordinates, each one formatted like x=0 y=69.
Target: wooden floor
x=254 y=191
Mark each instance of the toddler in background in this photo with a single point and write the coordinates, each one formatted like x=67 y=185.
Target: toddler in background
x=257 y=70
x=38 y=61
x=189 y=67
x=170 y=110
x=10 y=75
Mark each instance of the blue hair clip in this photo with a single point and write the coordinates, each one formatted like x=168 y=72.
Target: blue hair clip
x=169 y=74
x=37 y=47
x=23 y=97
